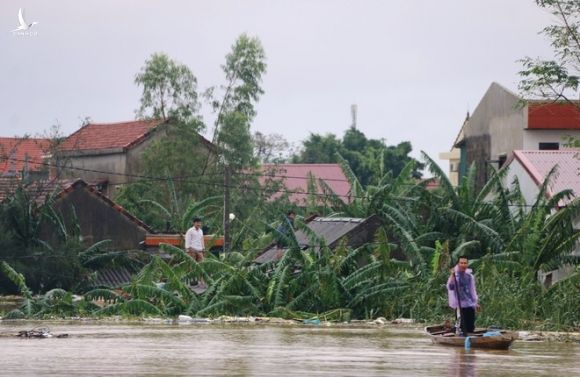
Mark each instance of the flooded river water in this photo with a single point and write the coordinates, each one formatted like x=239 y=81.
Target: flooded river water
x=94 y=349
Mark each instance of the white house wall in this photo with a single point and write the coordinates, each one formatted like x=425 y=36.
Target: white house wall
x=528 y=186
x=530 y=190
x=532 y=138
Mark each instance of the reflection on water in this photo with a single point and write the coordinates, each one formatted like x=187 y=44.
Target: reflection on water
x=462 y=364
x=259 y=350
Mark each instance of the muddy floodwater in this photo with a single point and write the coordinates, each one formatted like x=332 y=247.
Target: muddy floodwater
x=94 y=349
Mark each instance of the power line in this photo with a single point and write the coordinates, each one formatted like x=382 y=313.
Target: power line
x=188 y=179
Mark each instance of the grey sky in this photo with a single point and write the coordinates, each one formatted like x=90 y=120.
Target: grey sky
x=413 y=67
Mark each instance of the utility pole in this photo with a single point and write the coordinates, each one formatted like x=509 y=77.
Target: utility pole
x=226 y=219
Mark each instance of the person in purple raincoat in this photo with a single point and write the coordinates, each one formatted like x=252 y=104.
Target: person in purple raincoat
x=462 y=283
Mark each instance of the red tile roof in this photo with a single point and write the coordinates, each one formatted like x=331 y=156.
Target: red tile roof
x=96 y=136
x=38 y=190
x=553 y=116
x=539 y=163
x=295 y=178
x=14 y=151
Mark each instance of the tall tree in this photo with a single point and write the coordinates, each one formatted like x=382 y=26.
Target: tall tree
x=169 y=90
x=244 y=67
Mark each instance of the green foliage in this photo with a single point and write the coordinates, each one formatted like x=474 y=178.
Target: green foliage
x=369 y=159
x=401 y=274
x=557 y=78
x=244 y=68
x=169 y=90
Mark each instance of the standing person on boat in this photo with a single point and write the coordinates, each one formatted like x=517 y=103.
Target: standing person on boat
x=461 y=284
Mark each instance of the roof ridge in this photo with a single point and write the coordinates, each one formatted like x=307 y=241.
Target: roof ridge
x=124 y=122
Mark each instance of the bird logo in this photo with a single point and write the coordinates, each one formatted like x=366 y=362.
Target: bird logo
x=23 y=25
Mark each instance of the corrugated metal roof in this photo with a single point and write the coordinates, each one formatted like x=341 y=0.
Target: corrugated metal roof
x=295 y=178
x=112 y=277
x=539 y=163
x=332 y=230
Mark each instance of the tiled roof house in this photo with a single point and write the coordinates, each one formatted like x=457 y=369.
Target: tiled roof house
x=502 y=123
x=111 y=152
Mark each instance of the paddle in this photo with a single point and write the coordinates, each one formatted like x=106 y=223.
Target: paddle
x=458 y=323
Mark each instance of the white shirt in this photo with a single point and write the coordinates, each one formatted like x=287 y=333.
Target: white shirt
x=194 y=239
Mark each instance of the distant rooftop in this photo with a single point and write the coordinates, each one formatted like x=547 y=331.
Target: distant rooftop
x=553 y=116
x=295 y=178
x=98 y=136
x=15 y=151
x=356 y=231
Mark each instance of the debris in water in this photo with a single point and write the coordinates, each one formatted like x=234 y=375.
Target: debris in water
x=39 y=332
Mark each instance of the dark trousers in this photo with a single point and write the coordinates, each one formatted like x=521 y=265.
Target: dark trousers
x=467 y=320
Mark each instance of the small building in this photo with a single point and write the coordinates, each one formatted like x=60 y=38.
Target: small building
x=531 y=169
x=502 y=122
x=111 y=153
x=294 y=180
x=334 y=230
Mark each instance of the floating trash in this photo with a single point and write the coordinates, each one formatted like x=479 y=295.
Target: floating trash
x=39 y=332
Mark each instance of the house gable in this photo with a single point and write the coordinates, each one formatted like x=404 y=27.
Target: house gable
x=99 y=218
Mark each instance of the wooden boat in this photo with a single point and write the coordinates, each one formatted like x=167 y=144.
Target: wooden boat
x=481 y=338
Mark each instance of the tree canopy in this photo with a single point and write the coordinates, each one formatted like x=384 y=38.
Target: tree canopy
x=556 y=78
x=369 y=159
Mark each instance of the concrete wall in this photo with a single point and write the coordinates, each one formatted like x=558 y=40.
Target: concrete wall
x=528 y=187
x=495 y=128
x=95 y=167
x=532 y=138
x=135 y=154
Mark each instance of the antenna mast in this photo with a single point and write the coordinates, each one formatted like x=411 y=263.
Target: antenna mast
x=353 y=110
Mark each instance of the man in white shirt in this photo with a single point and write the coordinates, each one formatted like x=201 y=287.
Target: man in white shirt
x=194 y=244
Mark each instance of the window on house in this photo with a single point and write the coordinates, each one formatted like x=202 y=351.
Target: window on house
x=501 y=161
x=549 y=146
x=453 y=167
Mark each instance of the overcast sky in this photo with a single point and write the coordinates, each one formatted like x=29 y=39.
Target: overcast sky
x=413 y=67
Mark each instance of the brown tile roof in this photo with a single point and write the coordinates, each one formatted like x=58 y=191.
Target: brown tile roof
x=15 y=151
x=98 y=136
x=38 y=190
